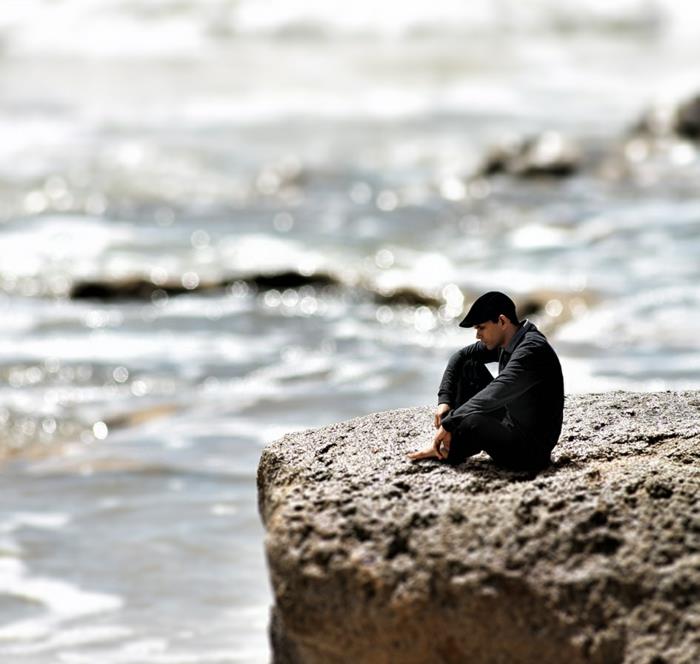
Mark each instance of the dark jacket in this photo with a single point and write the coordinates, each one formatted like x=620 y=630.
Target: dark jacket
x=528 y=392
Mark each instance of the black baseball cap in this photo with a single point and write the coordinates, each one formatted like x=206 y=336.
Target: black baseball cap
x=490 y=306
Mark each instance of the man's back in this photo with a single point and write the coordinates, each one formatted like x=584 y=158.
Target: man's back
x=538 y=412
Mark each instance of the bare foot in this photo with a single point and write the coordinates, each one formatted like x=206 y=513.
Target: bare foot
x=427 y=453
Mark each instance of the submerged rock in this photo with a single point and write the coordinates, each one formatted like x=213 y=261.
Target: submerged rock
x=407 y=296
x=665 y=121
x=596 y=559
x=687 y=120
x=547 y=154
x=129 y=289
x=143 y=289
x=290 y=279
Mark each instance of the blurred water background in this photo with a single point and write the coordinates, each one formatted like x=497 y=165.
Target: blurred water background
x=186 y=144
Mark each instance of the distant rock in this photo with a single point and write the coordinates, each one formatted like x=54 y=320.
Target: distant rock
x=407 y=296
x=547 y=154
x=143 y=289
x=687 y=120
x=595 y=560
x=655 y=122
x=668 y=121
x=289 y=279
x=127 y=289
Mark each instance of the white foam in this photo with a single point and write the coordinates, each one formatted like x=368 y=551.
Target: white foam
x=25 y=138
x=70 y=638
x=60 y=600
x=243 y=654
x=43 y=520
x=65 y=244
x=124 y=31
x=539 y=236
x=580 y=378
x=257 y=253
x=661 y=317
x=75 y=28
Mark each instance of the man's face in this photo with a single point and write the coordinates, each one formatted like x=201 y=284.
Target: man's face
x=491 y=334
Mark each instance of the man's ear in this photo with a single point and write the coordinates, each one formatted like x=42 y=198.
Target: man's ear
x=502 y=320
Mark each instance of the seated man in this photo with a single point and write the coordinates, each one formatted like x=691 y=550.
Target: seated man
x=516 y=418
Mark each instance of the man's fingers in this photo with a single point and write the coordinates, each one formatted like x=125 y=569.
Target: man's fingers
x=441 y=443
x=440 y=447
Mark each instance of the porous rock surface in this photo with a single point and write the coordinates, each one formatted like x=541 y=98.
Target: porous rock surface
x=375 y=559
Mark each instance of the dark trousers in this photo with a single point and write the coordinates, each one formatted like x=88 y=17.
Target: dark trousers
x=488 y=431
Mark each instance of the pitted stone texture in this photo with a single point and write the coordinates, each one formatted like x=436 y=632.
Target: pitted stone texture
x=375 y=559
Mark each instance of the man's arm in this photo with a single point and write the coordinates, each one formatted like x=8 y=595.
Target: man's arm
x=440 y=412
x=453 y=372
x=519 y=375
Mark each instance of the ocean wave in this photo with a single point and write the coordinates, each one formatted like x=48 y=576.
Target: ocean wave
x=62 y=601
x=166 y=28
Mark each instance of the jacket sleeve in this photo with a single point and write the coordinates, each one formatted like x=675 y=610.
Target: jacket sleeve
x=453 y=372
x=518 y=376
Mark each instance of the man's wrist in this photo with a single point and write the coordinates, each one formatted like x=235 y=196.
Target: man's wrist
x=443 y=421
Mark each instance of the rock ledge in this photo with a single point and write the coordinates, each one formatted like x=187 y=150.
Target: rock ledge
x=597 y=559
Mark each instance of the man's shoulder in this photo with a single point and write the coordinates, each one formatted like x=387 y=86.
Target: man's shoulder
x=534 y=335
x=534 y=340
x=530 y=334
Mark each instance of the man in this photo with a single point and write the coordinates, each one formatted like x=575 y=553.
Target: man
x=516 y=418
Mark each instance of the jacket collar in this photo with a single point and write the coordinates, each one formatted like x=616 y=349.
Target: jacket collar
x=518 y=336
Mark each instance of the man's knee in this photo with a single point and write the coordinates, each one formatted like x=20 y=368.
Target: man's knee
x=474 y=378
x=475 y=373
x=473 y=424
